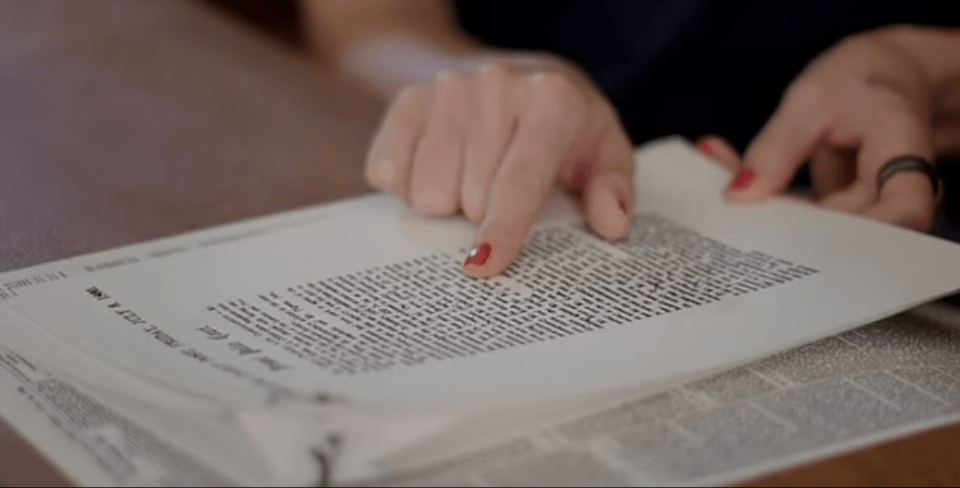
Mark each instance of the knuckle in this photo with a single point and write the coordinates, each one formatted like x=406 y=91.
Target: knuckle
x=806 y=94
x=380 y=174
x=494 y=73
x=408 y=108
x=856 y=45
x=552 y=81
x=411 y=95
x=528 y=177
x=474 y=212
x=557 y=86
x=496 y=85
x=560 y=99
x=473 y=202
x=434 y=201
x=451 y=83
x=451 y=97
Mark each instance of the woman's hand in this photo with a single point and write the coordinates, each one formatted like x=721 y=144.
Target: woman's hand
x=856 y=107
x=492 y=143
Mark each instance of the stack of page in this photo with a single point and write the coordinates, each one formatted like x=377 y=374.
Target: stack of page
x=342 y=344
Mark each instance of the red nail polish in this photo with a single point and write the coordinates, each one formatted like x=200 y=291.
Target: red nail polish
x=478 y=256
x=707 y=147
x=743 y=180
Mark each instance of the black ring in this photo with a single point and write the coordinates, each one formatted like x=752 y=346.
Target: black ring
x=912 y=163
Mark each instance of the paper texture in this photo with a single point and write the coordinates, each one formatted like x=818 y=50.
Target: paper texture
x=874 y=383
x=373 y=306
x=207 y=431
x=273 y=309
x=878 y=382
x=92 y=444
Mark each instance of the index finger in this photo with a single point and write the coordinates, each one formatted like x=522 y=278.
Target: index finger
x=781 y=147
x=544 y=137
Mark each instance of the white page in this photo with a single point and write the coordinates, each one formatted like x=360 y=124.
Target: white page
x=171 y=413
x=207 y=431
x=852 y=284
x=256 y=446
x=27 y=280
x=884 y=380
x=92 y=444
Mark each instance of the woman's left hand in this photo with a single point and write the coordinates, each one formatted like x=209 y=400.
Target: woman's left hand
x=855 y=108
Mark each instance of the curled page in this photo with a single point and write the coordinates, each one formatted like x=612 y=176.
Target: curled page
x=370 y=305
x=885 y=380
x=90 y=442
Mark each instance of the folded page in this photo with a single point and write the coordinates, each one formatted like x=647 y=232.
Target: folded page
x=91 y=443
x=372 y=306
x=878 y=382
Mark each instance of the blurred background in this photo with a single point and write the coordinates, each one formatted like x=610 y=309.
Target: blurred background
x=796 y=33
x=124 y=121
x=280 y=19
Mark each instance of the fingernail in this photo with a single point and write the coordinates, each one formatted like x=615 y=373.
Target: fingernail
x=743 y=180
x=478 y=256
x=708 y=147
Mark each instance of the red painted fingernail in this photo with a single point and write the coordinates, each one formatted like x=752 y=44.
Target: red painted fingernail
x=743 y=179
x=478 y=256
x=708 y=148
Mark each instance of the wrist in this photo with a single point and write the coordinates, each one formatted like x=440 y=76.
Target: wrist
x=387 y=63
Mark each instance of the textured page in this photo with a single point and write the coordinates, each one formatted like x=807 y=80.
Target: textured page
x=372 y=307
x=93 y=444
x=203 y=429
x=888 y=379
x=76 y=370
x=702 y=259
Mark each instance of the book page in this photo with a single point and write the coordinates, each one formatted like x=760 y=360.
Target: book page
x=93 y=444
x=24 y=281
x=372 y=307
x=888 y=379
x=267 y=445
x=97 y=382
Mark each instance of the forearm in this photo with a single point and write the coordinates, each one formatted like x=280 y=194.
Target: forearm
x=389 y=44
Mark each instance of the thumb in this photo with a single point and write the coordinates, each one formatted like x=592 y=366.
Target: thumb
x=777 y=152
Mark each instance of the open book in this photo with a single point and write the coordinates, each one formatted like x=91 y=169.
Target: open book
x=343 y=342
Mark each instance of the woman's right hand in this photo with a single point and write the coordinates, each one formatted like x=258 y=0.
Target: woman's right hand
x=492 y=144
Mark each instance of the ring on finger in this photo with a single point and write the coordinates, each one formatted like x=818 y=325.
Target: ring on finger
x=912 y=163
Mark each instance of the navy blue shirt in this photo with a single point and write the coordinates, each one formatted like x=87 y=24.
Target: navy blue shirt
x=690 y=67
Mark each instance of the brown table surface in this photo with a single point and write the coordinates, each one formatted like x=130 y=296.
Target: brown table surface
x=125 y=121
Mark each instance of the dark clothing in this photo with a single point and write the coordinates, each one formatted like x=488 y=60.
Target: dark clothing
x=690 y=67
x=687 y=67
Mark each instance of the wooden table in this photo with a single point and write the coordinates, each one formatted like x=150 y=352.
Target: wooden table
x=125 y=121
